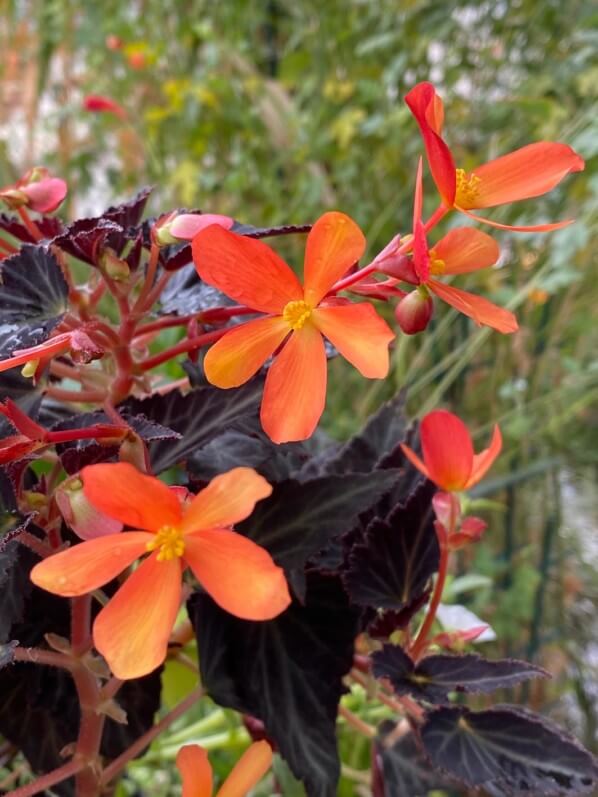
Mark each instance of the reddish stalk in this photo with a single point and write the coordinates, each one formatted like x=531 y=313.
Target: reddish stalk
x=51 y=658
x=420 y=642
x=8 y=248
x=191 y=344
x=150 y=276
x=31 y=226
x=49 y=779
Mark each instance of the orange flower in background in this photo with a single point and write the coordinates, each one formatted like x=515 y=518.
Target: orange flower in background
x=525 y=173
x=133 y=629
x=461 y=251
x=196 y=772
x=299 y=316
x=448 y=457
x=97 y=103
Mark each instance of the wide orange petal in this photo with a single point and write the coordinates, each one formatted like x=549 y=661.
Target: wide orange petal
x=334 y=244
x=247 y=772
x=447 y=449
x=464 y=249
x=228 y=498
x=122 y=492
x=239 y=575
x=482 y=462
x=555 y=225
x=424 y=104
x=359 y=334
x=238 y=355
x=295 y=390
x=528 y=172
x=481 y=310
x=244 y=269
x=133 y=629
x=196 y=771
x=89 y=565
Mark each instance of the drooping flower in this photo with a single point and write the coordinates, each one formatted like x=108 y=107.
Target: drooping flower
x=527 y=172
x=461 y=251
x=36 y=190
x=298 y=317
x=196 y=772
x=133 y=629
x=448 y=457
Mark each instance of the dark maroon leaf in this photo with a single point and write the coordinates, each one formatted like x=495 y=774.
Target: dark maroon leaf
x=269 y=232
x=381 y=624
x=20 y=389
x=393 y=564
x=49 y=226
x=433 y=678
x=509 y=750
x=405 y=771
x=129 y=214
x=299 y=518
x=186 y=294
x=86 y=239
x=199 y=416
x=175 y=257
x=33 y=295
x=286 y=672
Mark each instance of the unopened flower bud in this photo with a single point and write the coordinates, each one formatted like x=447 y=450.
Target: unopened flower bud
x=116 y=268
x=85 y=520
x=83 y=348
x=185 y=226
x=414 y=311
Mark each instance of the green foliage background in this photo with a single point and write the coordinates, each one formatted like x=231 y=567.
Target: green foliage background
x=275 y=111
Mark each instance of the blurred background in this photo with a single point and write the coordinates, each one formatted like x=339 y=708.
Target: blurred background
x=275 y=111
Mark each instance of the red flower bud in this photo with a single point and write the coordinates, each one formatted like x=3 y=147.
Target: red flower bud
x=84 y=519
x=414 y=311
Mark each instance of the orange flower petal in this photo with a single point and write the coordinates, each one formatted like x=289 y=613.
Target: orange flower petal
x=295 y=390
x=415 y=460
x=246 y=270
x=334 y=244
x=447 y=449
x=238 y=574
x=120 y=491
x=482 y=462
x=359 y=334
x=133 y=629
x=238 y=355
x=556 y=225
x=196 y=772
x=226 y=500
x=248 y=771
x=481 y=310
x=421 y=255
x=89 y=565
x=528 y=172
x=427 y=108
x=465 y=249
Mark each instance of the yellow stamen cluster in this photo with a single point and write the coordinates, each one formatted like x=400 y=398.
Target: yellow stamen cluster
x=468 y=188
x=169 y=539
x=296 y=313
x=437 y=265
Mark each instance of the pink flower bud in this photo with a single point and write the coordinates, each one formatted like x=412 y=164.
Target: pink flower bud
x=85 y=520
x=186 y=226
x=46 y=195
x=414 y=311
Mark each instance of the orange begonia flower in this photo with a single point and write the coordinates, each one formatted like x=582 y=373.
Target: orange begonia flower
x=196 y=772
x=133 y=629
x=461 y=251
x=253 y=274
x=527 y=172
x=448 y=457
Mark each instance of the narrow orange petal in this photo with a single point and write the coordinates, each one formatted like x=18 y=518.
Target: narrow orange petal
x=415 y=460
x=481 y=310
x=464 y=249
x=421 y=255
x=424 y=104
x=248 y=771
x=196 y=771
x=334 y=244
x=226 y=500
x=238 y=355
x=528 y=172
x=120 y=491
x=89 y=565
x=447 y=449
x=239 y=575
x=359 y=334
x=556 y=225
x=133 y=629
x=295 y=390
x=482 y=462
x=244 y=269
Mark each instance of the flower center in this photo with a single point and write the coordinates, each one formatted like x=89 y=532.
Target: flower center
x=296 y=313
x=169 y=540
x=468 y=188
x=437 y=266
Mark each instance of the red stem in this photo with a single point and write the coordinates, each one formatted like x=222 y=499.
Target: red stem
x=9 y=248
x=51 y=658
x=149 y=278
x=191 y=344
x=421 y=640
x=49 y=779
x=31 y=226
x=91 y=433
